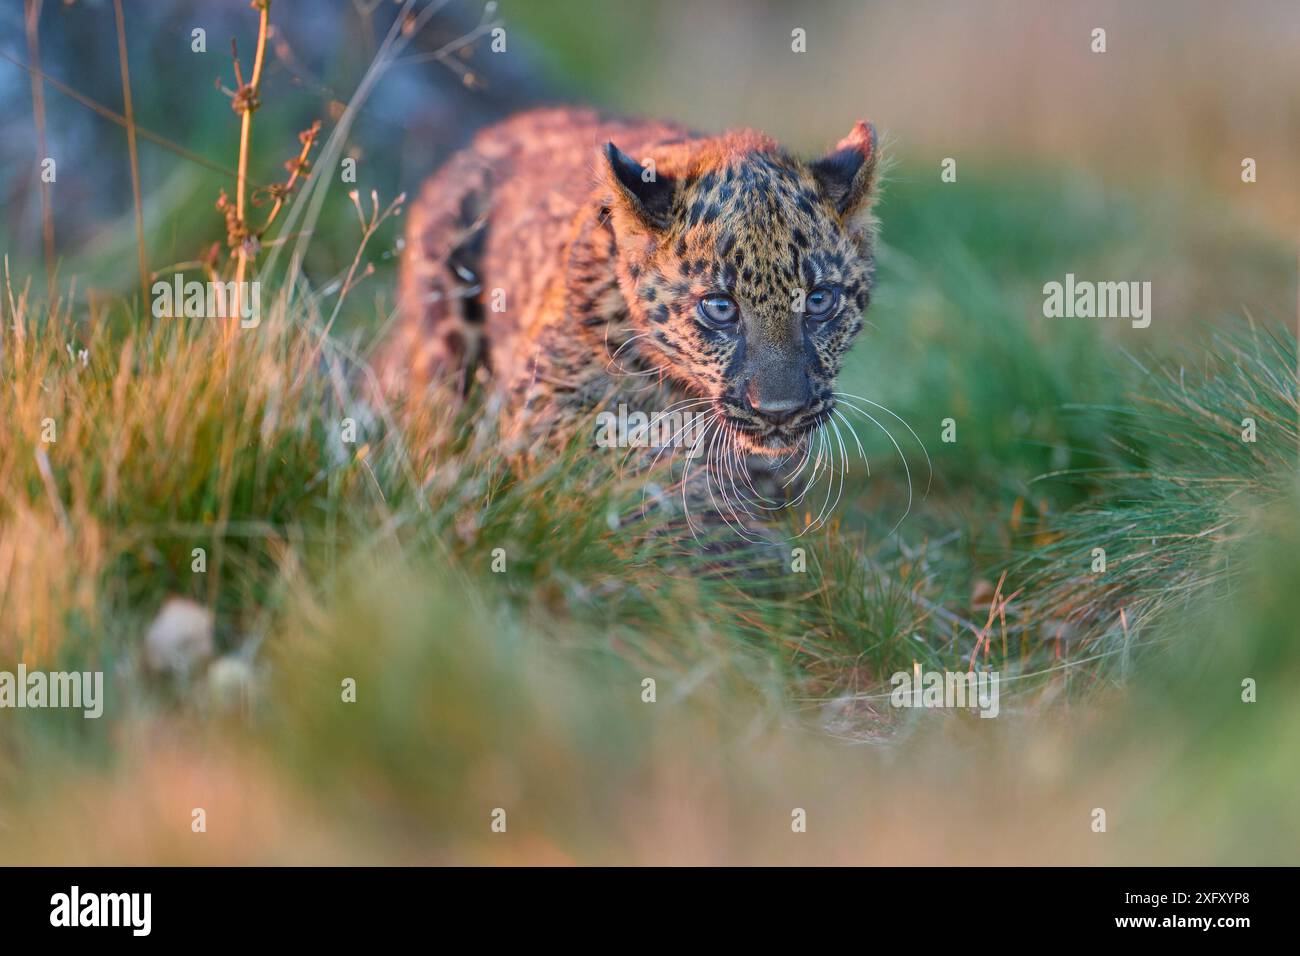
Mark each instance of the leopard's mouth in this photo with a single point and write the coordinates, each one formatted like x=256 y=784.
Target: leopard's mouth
x=774 y=440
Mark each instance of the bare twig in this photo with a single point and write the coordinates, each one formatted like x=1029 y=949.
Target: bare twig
x=135 y=157
x=33 y=17
x=296 y=168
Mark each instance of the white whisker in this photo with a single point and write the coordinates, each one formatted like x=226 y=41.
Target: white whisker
x=907 y=470
x=686 y=472
x=614 y=356
x=917 y=438
x=861 y=451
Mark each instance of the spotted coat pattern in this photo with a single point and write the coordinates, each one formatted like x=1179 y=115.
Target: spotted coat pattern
x=563 y=256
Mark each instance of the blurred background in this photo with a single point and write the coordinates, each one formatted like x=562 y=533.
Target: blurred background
x=476 y=690
x=1009 y=88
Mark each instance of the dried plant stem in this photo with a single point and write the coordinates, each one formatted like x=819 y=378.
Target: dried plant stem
x=33 y=16
x=296 y=168
x=134 y=154
x=249 y=103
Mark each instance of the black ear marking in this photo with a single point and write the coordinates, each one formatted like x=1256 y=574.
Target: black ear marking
x=649 y=194
x=846 y=174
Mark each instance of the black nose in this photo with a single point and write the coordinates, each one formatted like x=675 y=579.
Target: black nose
x=779 y=413
x=776 y=409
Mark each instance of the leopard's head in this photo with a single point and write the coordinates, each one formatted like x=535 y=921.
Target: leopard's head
x=747 y=273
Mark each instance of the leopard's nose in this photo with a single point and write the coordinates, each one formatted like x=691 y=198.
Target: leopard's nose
x=779 y=413
x=775 y=409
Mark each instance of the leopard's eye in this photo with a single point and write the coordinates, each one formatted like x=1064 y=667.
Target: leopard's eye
x=821 y=302
x=719 y=311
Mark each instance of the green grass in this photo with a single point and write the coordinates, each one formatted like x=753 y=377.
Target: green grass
x=1185 y=488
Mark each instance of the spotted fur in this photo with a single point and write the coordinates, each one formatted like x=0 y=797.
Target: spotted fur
x=547 y=260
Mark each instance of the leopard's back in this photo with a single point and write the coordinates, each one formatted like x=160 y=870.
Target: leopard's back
x=487 y=242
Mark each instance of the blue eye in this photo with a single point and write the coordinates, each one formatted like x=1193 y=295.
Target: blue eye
x=821 y=302
x=719 y=311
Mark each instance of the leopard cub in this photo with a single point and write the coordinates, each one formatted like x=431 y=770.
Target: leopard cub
x=574 y=262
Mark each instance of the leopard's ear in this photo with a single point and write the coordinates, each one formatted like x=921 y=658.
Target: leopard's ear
x=645 y=193
x=847 y=175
